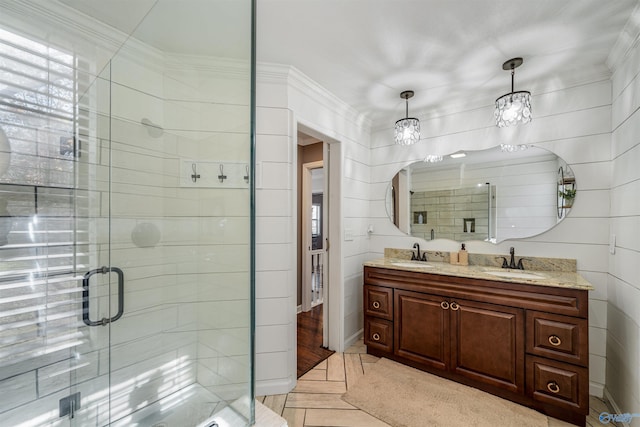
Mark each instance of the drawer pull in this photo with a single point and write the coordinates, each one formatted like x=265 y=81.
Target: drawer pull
x=444 y=305
x=376 y=304
x=555 y=340
x=454 y=306
x=553 y=387
x=376 y=337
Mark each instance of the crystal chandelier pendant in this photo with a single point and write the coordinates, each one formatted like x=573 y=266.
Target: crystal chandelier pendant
x=407 y=130
x=514 y=107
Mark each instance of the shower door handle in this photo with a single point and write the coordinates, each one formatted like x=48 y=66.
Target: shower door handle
x=85 y=296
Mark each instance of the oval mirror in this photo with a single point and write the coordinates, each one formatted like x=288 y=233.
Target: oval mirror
x=505 y=192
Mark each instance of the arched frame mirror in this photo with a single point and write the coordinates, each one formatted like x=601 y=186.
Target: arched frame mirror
x=489 y=195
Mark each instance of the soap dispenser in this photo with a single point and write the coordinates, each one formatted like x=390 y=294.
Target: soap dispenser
x=463 y=256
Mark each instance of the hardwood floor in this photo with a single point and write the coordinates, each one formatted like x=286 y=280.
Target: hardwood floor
x=310 y=350
x=316 y=399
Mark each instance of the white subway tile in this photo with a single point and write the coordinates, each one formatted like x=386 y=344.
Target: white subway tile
x=18 y=390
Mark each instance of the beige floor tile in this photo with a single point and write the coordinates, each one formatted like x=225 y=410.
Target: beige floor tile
x=335 y=367
x=265 y=417
x=341 y=418
x=317 y=401
x=357 y=347
x=333 y=387
x=598 y=405
x=353 y=369
x=275 y=402
x=294 y=417
x=260 y=399
x=369 y=358
x=315 y=375
x=321 y=365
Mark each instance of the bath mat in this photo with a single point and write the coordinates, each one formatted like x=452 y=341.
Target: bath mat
x=406 y=397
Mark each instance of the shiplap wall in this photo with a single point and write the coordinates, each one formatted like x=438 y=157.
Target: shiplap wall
x=287 y=99
x=575 y=124
x=623 y=311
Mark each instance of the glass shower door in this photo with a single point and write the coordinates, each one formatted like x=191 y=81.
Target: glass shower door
x=125 y=218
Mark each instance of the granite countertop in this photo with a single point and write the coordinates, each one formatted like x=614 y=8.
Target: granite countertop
x=557 y=279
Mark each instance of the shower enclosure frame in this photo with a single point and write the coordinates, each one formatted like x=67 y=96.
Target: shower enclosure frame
x=107 y=279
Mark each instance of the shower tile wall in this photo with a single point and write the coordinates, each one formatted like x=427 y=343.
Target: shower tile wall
x=446 y=211
x=186 y=299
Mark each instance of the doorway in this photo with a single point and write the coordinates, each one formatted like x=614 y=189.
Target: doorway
x=312 y=254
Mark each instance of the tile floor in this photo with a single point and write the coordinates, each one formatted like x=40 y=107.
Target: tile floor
x=316 y=399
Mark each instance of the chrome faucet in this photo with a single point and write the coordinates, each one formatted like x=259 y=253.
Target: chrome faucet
x=512 y=262
x=418 y=257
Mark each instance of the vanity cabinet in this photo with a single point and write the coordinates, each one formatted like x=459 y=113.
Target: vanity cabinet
x=523 y=342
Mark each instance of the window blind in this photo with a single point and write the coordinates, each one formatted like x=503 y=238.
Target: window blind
x=44 y=241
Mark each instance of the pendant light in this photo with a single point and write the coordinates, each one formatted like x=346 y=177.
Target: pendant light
x=407 y=129
x=515 y=107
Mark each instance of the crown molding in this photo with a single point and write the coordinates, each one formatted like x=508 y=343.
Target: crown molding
x=66 y=28
x=296 y=79
x=55 y=16
x=627 y=40
x=300 y=81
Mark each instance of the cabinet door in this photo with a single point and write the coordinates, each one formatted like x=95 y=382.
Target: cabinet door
x=487 y=343
x=421 y=328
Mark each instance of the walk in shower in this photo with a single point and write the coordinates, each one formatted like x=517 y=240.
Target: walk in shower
x=125 y=213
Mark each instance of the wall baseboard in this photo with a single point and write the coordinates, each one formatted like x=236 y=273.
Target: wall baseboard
x=596 y=390
x=299 y=309
x=279 y=386
x=353 y=338
x=614 y=406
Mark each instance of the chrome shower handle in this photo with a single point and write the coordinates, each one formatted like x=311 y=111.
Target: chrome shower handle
x=85 y=296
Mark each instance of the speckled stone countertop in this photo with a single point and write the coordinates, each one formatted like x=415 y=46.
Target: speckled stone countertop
x=557 y=279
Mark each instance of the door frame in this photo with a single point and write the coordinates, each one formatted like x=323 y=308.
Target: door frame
x=333 y=307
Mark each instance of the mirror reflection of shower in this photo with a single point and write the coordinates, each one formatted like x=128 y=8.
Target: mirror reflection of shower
x=154 y=130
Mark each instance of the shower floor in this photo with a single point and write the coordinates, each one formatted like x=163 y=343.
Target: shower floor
x=191 y=406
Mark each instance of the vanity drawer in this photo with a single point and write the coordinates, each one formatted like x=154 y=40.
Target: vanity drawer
x=557 y=383
x=378 y=334
x=558 y=337
x=378 y=301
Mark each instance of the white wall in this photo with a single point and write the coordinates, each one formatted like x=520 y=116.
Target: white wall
x=623 y=311
x=575 y=124
x=286 y=100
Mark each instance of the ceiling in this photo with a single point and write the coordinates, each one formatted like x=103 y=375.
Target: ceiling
x=368 y=51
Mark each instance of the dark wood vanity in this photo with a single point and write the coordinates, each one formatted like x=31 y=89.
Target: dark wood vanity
x=523 y=342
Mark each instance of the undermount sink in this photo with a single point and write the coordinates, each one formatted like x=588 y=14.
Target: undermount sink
x=416 y=264
x=515 y=274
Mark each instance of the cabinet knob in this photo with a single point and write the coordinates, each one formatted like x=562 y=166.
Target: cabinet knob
x=376 y=337
x=555 y=340
x=376 y=304
x=553 y=387
x=454 y=306
x=444 y=305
